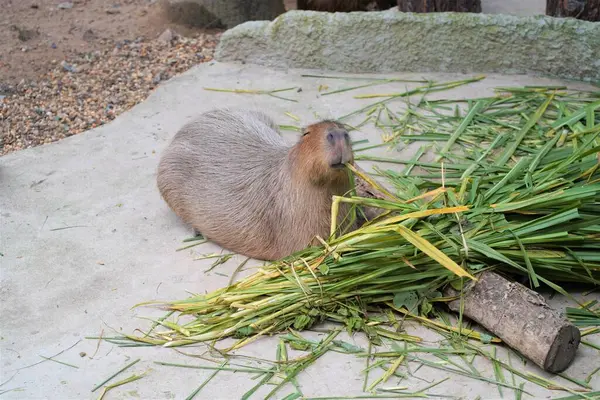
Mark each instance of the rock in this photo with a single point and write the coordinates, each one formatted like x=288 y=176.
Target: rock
x=24 y=34
x=115 y=9
x=157 y=78
x=435 y=42
x=68 y=67
x=89 y=35
x=221 y=13
x=65 y=6
x=82 y=68
x=167 y=36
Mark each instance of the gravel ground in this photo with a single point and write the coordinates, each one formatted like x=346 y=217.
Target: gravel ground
x=91 y=89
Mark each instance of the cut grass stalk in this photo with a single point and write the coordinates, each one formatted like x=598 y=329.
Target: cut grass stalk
x=132 y=378
x=422 y=89
x=203 y=384
x=60 y=362
x=256 y=91
x=479 y=105
x=370 y=84
x=220 y=368
x=131 y=364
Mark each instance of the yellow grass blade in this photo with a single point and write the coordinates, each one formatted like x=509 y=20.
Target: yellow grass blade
x=420 y=214
x=431 y=193
x=388 y=373
x=432 y=251
x=362 y=234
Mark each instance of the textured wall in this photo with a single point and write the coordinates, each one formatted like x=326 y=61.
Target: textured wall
x=444 y=42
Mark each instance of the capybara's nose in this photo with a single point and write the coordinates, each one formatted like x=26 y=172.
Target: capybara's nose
x=342 y=148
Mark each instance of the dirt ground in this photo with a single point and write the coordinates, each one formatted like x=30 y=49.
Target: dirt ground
x=68 y=66
x=34 y=33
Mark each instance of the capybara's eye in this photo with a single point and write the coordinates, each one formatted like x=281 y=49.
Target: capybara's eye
x=330 y=137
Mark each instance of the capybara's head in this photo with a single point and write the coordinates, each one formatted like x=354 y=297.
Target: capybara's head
x=326 y=148
x=331 y=141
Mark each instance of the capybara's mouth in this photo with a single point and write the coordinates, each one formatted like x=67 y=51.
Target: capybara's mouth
x=338 y=166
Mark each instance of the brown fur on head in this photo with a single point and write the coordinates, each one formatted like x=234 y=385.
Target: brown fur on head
x=323 y=151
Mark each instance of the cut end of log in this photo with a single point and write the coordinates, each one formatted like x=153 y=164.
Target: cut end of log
x=563 y=349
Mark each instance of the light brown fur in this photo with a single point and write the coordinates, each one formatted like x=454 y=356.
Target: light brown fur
x=230 y=176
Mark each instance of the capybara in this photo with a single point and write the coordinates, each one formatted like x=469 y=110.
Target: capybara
x=231 y=176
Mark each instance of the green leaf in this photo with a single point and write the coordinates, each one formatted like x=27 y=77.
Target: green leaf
x=426 y=308
x=349 y=347
x=457 y=284
x=244 y=332
x=406 y=299
x=302 y=321
x=323 y=269
x=485 y=338
x=300 y=346
x=354 y=324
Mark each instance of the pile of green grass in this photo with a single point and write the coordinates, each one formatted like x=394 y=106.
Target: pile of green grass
x=512 y=183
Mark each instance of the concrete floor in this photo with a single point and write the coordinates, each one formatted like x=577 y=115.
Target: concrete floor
x=85 y=236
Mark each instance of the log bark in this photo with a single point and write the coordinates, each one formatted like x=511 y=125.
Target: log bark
x=588 y=10
x=521 y=318
x=428 y=6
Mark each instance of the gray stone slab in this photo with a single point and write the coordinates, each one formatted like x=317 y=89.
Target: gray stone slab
x=391 y=41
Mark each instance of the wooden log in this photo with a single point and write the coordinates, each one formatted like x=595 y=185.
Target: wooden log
x=521 y=318
x=428 y=6
x=588 y=10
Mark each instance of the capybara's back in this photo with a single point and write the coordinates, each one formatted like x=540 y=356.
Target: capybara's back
x=231 y=176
